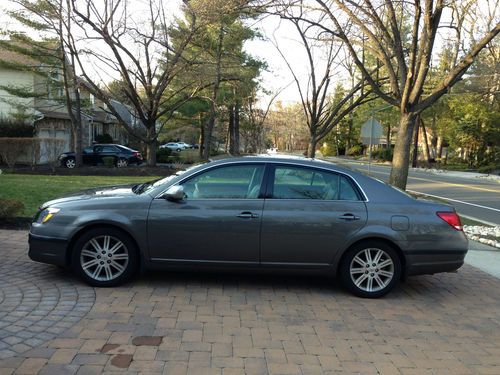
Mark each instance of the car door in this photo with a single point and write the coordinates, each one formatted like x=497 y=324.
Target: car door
x=87 y=155
x=106 y=151
x=309 y=214
x=218 y=221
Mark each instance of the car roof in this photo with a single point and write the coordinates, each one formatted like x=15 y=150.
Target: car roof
x=373 y=189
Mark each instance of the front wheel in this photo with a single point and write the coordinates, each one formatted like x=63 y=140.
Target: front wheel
x=370 y=269
x=70 y=163
x=105 y=257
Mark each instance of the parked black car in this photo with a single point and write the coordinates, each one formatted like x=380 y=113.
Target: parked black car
x=94 y=155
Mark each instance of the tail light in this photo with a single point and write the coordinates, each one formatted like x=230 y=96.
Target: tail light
x=138 y=155
x=451 y=218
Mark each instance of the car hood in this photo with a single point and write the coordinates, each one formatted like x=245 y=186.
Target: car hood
x=95 y=193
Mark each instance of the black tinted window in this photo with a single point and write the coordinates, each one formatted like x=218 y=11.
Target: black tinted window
x=232 y=182
x=307 y=183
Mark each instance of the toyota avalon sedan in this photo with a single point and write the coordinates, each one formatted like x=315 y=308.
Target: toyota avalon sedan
x=254 y=214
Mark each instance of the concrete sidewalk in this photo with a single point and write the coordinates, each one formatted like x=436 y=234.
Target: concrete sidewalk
x=484 y=257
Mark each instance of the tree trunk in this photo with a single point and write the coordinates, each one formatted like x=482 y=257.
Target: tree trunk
x=230 y=130
x=311 y=148
x=415 y=143
x=207 y=141
x=427 y=154
x=388 y=135
x=151 y=146
x=236 y=136
x=201 y=140
x=349 y=134
x=439 y=148
x=401 y=159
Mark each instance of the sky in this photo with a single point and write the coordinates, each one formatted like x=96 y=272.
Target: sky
x=277 y=78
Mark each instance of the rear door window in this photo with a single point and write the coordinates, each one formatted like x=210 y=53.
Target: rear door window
x=292 y=182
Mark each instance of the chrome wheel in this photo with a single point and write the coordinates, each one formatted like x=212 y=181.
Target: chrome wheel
x=371 y=269
x=104 y=258
x=70 y=163
x=121 y=163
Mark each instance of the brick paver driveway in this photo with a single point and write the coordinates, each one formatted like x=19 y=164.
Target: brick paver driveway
x=233 y=324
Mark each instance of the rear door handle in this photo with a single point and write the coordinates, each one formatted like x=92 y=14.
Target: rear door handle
x=349 y=217
x=248 y=215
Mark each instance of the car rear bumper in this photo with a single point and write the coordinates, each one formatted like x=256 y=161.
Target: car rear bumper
x=434 y=261
x=50 y=250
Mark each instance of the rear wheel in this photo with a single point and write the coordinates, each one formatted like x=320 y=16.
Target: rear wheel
x=105 y=257
x=370 y=269
x=121 y=162
x=70 y=163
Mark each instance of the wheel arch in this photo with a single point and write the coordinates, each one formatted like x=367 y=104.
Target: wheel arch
x=378 y=239
x=91 y=226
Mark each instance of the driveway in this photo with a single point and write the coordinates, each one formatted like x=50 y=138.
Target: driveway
x=185 y=323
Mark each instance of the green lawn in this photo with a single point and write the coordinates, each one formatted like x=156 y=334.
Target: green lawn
x=33 y=190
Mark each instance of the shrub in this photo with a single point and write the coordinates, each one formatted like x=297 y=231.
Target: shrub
x=383 y=154
x=327 y=150
x=489 y=168
x=355 y=150
x=162 y=155
x=104 y=138
x=16 y=129
x=109 y=161
x=10 y=209
x=11 y=149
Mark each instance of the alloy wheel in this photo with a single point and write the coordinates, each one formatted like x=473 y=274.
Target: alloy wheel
x=70 y=163
x=371 y=270
x=104 y=258
x=121 y=163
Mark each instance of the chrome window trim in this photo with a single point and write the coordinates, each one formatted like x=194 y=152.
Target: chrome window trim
x=366 y=199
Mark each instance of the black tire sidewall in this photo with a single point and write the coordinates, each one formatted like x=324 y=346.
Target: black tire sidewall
x=133 y=262
x=345 y=275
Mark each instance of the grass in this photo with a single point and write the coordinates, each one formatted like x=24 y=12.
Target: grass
x=33 y=190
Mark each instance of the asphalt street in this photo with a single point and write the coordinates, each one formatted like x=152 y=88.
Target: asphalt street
x=478 y=199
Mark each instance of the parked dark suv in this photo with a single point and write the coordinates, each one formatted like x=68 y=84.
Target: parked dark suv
x=94 y=155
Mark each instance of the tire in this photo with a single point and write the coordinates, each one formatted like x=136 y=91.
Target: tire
x=70 y=163
x=94 y=260
x=178 y=150
x=370 y=279
x=121 y=163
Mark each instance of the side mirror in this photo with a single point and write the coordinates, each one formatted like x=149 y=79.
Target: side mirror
x=174 y=193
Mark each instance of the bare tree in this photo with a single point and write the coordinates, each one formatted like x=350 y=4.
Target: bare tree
x=140 y=52
x=404 y=56
x=323 y=110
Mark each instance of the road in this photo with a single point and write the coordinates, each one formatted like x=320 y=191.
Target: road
x=473 y=198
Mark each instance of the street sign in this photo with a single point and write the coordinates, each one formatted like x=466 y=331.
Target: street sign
x=371 y=131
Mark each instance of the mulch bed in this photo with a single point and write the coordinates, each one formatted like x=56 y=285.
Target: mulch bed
x=96 y=171
x=19 y=223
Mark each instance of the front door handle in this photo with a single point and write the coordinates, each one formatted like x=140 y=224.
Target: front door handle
x=248 y=215
x=349 y=217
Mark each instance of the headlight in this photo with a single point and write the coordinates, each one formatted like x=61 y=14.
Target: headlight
x=45 y=215
x=62 y=156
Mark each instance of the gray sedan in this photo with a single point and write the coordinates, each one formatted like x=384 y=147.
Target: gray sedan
x=254 y=214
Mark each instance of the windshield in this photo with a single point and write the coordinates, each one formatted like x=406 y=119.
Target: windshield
x=147 y=186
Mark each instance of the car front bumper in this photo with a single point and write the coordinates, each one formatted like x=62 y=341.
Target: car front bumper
x=46 y=249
